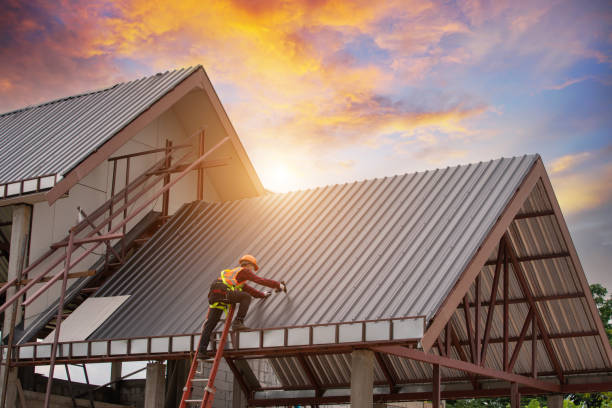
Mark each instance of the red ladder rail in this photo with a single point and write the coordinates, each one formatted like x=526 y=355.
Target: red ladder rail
x=209 y=391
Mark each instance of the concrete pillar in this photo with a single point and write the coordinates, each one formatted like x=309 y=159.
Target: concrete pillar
x=20 y=229
x=362 y=378
x=115 y=374
x=554 y=401
x=155 y=385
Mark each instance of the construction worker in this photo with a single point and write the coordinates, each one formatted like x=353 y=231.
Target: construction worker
x=231 y=289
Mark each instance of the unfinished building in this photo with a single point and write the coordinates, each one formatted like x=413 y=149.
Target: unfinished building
x=119 y=208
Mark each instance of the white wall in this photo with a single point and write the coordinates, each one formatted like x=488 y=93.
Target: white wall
x=52 y=223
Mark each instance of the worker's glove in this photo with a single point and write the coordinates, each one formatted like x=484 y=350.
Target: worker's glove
x=266 y=294
x=282 y=287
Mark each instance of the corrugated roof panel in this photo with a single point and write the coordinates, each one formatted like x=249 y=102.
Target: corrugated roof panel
x=382 y=248
x=70 y=129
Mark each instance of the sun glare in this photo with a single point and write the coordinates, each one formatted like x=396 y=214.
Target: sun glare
x=278 y=178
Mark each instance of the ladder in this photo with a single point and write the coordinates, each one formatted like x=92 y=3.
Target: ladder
x=209 y=389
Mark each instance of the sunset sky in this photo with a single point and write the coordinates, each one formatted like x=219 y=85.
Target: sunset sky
x=325 y=92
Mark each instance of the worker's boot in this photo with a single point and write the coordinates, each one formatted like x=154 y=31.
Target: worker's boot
x=238 y=324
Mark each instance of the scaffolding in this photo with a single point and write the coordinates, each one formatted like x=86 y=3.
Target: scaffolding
x=141 y=192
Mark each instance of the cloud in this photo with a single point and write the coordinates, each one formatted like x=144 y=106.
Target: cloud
x=567 y=162
x=583 y=181
x=583 y=191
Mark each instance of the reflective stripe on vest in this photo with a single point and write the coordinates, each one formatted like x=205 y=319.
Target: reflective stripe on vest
x=229 y=277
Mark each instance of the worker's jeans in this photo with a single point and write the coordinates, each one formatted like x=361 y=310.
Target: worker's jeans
x=214 y=315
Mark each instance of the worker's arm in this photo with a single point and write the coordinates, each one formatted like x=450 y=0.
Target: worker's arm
x=253 y=292
x=248 y=275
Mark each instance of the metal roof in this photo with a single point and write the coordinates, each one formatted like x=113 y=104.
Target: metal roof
x=382 y=248
x=52 y=138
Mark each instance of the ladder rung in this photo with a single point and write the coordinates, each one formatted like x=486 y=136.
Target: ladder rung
x=199 y=380
x=192 y=401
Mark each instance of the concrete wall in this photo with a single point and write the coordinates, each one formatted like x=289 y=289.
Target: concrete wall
x=52 y=223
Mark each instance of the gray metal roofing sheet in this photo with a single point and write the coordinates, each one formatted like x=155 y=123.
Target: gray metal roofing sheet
x=52 y=138
x=382 y=248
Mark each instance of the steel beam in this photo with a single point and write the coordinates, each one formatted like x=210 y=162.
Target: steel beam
x=435 y=397
x=534 y=214
x=418 y=355
x=519 y=344
x=390 y=377
x=536 y=257
x=492 y=299
x=518 y=272
x=575 y=295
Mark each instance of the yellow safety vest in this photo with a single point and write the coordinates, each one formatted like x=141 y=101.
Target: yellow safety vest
x=228 y=277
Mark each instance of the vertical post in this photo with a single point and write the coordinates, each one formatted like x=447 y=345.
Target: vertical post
x=477 y=322
x=58 y=319
x=534 y=347
x=362 y=378
x=20 y=230
x=435 y=399
x=110 y=209
x=200 y=169
x=115 y=374
x=155 y=385
x=125 y=201
x=505 y=322
x=554 y=401
x=515 y=396
x=167 y=165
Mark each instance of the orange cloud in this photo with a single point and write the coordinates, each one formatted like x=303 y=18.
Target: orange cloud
x=583 y=190
x=568 y=162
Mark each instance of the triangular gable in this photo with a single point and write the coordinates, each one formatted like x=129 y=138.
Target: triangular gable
x=80 y=132
x=197 y=80
x=535 y=187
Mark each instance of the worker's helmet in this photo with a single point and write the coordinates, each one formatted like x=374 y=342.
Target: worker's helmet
x=250 y=259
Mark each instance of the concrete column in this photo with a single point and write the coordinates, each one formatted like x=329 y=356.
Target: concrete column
x=362 y=378
x=155 y=385
x=115 y=373
x=555 y=401
x=20 y=228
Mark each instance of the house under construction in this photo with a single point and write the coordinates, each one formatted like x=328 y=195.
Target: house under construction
x=119 y=207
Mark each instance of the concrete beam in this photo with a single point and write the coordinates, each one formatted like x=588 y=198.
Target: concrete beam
x=362 y=378
x=155 y=385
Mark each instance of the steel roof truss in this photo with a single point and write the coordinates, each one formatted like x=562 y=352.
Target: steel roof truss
x=518 y=272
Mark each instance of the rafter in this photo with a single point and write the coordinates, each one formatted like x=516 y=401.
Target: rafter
x=487 y=330
x=389 y=376
x=310 y=374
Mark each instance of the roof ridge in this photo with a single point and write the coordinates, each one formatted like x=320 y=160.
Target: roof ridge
x=364 y=180
x=92 y=92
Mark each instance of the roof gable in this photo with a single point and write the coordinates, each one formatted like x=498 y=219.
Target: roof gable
x=68 y=130
x=78 y=133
